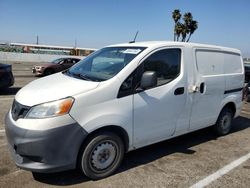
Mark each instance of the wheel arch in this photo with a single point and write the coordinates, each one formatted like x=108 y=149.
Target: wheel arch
x=119 y=131
x=231 y=105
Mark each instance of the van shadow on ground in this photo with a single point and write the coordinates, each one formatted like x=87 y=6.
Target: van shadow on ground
x=146 y=155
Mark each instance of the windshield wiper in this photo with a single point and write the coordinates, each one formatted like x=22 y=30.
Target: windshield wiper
x=85 y=77
x=90 y=78
x=82 y=76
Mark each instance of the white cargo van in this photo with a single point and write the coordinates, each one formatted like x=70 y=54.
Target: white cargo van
x=121 y=98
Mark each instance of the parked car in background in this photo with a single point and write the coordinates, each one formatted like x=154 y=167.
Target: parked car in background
x=6 y=76
x=247 y=92
x=57 y=65
x=248 y=96
x=247 y=72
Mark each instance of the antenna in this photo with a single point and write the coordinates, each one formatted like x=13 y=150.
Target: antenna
x=133 y=41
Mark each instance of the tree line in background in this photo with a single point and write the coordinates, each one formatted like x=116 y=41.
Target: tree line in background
x=186 y=29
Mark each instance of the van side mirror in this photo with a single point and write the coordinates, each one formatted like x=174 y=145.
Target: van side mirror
x=148 y=80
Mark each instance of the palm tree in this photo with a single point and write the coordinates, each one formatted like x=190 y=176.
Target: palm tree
x=192 y=27
x=183 y=29
x=178 y=30
x=187 y=18
x=184 y=32
x=176 y=15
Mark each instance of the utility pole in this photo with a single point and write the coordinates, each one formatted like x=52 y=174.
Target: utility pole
x=75 y=42
x=37 y=40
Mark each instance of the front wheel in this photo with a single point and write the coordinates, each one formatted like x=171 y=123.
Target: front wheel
x=224 y=122
x=102 y=155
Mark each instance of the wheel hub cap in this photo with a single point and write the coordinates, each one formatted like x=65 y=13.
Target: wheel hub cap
x=103 y=155
x=225 y=122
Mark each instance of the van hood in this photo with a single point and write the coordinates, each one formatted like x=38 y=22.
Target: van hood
x=54 y=87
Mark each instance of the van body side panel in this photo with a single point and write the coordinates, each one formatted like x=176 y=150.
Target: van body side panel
x=96 y=110
x=234 y=80
x=222 y=73
x=233 y=92
x=236 y=99
x=206 y=104
x=234 y=72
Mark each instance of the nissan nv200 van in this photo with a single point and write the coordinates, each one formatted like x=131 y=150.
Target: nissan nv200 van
x=120 y=98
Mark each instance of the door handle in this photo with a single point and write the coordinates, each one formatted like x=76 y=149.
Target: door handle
x=179 y=91
x=195 y=89
x=202 y=87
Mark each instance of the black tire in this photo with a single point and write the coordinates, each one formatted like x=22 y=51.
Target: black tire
x=101 y=155
x=48 y=72
x=224 y=123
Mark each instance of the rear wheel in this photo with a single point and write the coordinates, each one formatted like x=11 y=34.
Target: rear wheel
x=224 y=122
x=102 y=155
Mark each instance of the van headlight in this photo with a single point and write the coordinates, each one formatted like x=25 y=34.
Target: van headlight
x=51 y=109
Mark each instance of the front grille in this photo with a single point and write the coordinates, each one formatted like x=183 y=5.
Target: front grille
x=18 y=110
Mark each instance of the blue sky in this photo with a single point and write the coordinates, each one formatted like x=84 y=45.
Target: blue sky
x=97 y=23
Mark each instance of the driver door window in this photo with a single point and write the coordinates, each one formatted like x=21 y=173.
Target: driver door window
x=166 y=64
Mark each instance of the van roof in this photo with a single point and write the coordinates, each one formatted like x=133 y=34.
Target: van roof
x=171 y=43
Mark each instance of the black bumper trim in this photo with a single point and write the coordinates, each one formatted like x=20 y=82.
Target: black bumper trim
x=233 y=90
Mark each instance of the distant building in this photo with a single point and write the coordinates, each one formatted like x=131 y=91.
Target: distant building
x=45 y=49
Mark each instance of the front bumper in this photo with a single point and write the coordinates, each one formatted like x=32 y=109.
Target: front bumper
x=50 y=150
x=37 y=72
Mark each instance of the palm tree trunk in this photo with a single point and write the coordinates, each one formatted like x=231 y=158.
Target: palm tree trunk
x=183 y=39
x=174 y=32
x=189 y=37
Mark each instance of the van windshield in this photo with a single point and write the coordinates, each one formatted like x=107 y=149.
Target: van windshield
x=104 y=63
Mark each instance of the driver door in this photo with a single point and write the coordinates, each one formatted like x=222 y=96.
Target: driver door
x=156 y=110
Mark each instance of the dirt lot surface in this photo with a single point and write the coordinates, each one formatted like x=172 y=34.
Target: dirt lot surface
x=179 y=162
